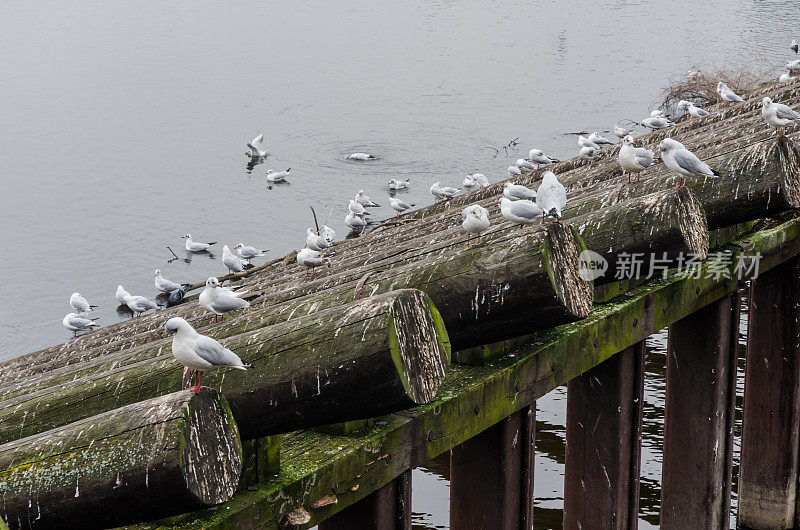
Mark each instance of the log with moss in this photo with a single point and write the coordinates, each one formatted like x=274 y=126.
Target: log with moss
x=371 y=357
x=147 y=460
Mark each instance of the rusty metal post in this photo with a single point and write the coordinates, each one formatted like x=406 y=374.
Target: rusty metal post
x=388 y=508
x=771 y=416
x=699 y=416
x=491 y=476
x=604 y=436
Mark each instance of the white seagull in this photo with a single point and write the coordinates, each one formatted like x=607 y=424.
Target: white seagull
x=256 y=147
x=692 y=109
x=328 y=233
x=727 y=94
x=354 y=222
x=196 y=246
x=480 y=179
x=356 y=208
x=220 y=300
x=621 y=132
x=139 y=304
x=538 y=157
x=247 y=252
x=476 y=220
x=633 y=159
x=364 y=200
x=277 y=176
x=657 y=113
x=164 y=285
x=395 y=184
x=362 y=156
x=316 y=242
x=440 y=192
x=523 y=212
x=517 y=192
x=399 y=205
x=311 y=259
x=657 y=122
x=121 y=294
x=682 y=161
x=80 y=304
x=75 y=323
x=469 y=181
x=513 y=170
x=588 y=153
x=785 y=77
x=551 y=196
x=198 y=352
x=778 y=115
x=599 y=140
x=585 y=142
x=525 y=164
x=793 y=66
x=233 y=262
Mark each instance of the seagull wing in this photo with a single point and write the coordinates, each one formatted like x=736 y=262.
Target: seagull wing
x=225 y=302
x=215 y=353
x=253 y=150
x=785 y=112
x=525 y=209
x=643 y=157
x=689 y=162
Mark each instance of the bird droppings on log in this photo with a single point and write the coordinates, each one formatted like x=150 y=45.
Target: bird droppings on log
x=151 y=459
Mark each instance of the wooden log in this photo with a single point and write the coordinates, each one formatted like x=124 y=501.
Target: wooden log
x=604 y=437
x=388 y=508
x=307 y=371
x=261 y=459
x=491 y=476
x=151 y=459
x=768 y=471
x=699 y=417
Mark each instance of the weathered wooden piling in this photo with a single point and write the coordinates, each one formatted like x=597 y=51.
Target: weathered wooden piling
x=154 y=458
x=388 y=508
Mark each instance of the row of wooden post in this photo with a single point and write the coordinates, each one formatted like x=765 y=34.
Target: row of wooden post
x=491 y=484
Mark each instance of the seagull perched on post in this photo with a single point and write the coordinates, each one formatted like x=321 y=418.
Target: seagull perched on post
x=231 y=260
x=316 y=242
x=522 y=212
x=164 y=285
x=75 y=323
x=80 y=304
x=682 y=161
x=198 y=352
x=247 y=252
x=196 y=246
x=633 y=159
x=778 y=115
x=692 y=109
x=525 y=164
x=727 y=94
x=517 y=192
x=476 y=221
x=220 y=300
x=513 y=170
x=551 y=196
x=443 y=193
x=657 y=122
x=328 y=233
x=399 y=205
x=256 y=148
x=588 y=153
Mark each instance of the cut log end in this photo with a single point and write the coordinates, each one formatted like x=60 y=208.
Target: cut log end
x=692 y=222
x=564 y=247
x=789 y=157
x=419 y=343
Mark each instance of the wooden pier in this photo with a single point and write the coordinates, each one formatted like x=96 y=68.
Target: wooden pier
x=412 y=345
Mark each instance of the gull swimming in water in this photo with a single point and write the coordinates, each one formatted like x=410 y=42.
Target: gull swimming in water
x=585 y=142
x=588 y=153
x=633 y=159
x=139 y=304
x=354 y=222
x=198 y=352
x=440 y=192
x=311 y=259
x=525 y=164
x=476 y=221
x=551 y=196
x=164 y=285
x=121 y=294
x=517 y=192
x=220 y=300
x=778 y=115
x=248 y=253
x=727 y=94
x=356 y=207
x=395 y=184
x=80 y=304
x=599 y=140
x=513 y=170
x=328 y=233
x=522 y=212
x=316 y=242
x=657 y=122
x=469 y=181
x=682 y=161
x=176 y=296
x=364 y=200
x=362 y=156
x=196 y=246
x=233 y=262
x=277 y=176
x=480 y=179
x=538 y=157
x=621 y=132
x=256 y=147
x=399 y=205
x=75 y=323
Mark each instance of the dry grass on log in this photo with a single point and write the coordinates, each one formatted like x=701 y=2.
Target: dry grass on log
x=701 y=88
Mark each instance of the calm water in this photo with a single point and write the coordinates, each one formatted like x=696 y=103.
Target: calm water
x=124 y=123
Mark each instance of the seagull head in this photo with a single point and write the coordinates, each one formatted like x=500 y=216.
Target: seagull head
x=238 y=246
x=668 y=144
x=158 y=271
x=628 y=140
x=766 y=102
x=186 y=236
x=176 y=323
x=212 y=282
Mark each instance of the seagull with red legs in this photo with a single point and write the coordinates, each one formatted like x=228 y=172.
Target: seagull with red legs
x=221 y=300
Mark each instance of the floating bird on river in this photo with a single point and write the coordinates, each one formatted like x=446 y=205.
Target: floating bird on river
x=395 y=184
x=480 y=179
x=277 y=176
x=362 y=156
x=469 y=181
x=256 y=147
x=525 y=164
x=514 y=170
x=196 y=246
x=80 y=304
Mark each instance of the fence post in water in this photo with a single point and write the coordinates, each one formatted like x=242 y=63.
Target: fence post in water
x=604 y=436
x=388 y=508
x=491 y=476
x=699 y=414
x=771 y=416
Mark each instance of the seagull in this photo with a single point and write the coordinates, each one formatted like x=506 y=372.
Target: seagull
x=794 y=46
x=399 y=205
x=692 y=109
x=139 y=304
x=395 y=184
x=198 y=352
x=588 y=153
x=476 y=221
x=480 y=179
x=513 y=170
x=311 y=259
x=363 y=200
x=785 y=77
x=256 y=147
x=657 y=122
x=469 y=181
x=232 y=261
x=356 y=208
x=727 y=94
x=793 y=66
x=164 y=285
x=778 y=115
x=599 y=140
x=220 y=300
x=328 y=233
x=316 y=242
x=196 y=246
x=80 y=304
x=121 y=295
x=248 y=253
x=551 y=196
x=440 y=192
x=362 y=156
x=525 y=164
x=277 y=176
x=585 y=142
x=682 y=161
x=538 y=157
x=522 y=212
x=75 y=323
x=633 y=159
x=354 y=222
x=517 y=192
x=176 y=296
x=621 y=132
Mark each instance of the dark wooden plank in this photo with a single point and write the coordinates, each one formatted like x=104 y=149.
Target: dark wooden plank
x=771 y=417
x=604 y=435
x=491 y=476
x=388 y=508
x=699 y=413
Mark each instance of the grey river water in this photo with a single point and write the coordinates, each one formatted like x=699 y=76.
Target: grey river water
x=123 y=125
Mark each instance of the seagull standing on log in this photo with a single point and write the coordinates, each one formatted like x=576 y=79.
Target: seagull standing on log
x=220 y=300
x=633 y=159
x=682 y=161
x=551 y=196
x=778 y=115
x=476 y=221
